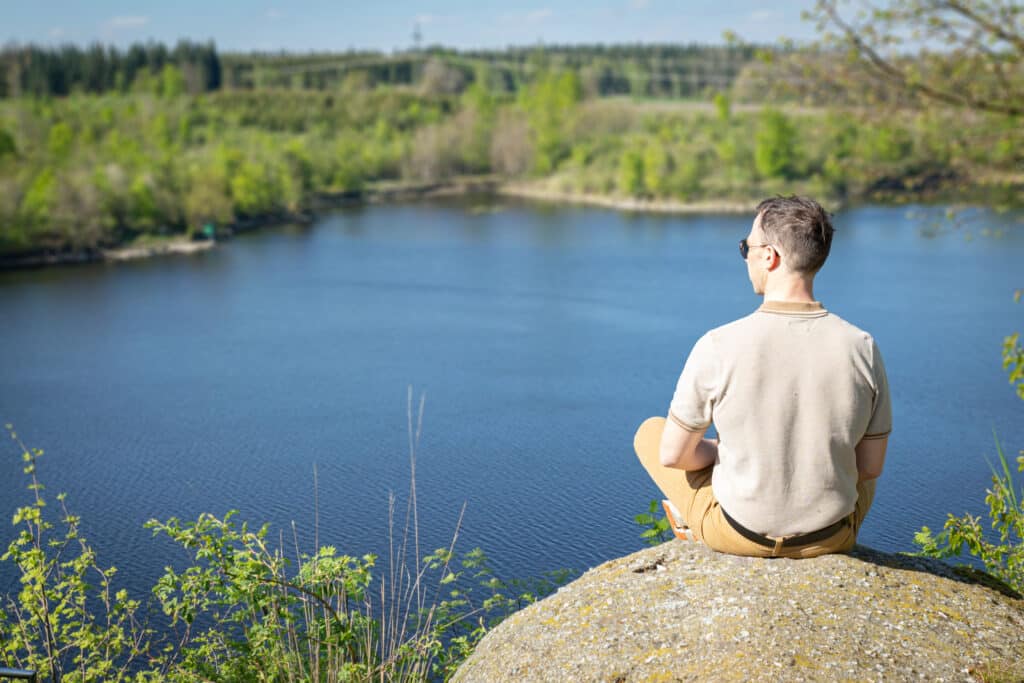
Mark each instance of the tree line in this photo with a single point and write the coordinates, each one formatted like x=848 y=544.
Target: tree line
x=41 y=71
x=605 y=70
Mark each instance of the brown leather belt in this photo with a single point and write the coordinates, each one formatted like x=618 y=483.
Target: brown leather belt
x=802 y=539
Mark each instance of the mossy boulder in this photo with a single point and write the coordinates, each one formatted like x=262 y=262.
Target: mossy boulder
x=681 y=612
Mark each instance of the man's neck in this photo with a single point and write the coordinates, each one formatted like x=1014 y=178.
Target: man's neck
x=794 y=288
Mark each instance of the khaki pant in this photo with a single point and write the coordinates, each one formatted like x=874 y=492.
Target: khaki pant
x=691 y=493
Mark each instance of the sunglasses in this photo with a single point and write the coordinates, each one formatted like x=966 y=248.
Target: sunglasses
x=745 y=247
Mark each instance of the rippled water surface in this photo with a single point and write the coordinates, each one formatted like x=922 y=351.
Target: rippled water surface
x=541 y=336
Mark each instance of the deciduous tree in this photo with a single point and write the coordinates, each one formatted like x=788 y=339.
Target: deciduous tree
x=964 y=53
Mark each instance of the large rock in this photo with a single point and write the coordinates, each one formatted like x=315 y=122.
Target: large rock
x=682 y=612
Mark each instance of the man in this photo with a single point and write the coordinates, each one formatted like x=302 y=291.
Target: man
x=799 y=399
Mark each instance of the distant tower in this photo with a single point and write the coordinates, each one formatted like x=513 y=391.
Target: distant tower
x=417 y=36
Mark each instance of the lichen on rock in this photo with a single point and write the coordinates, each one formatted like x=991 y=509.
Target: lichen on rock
x=681 y=612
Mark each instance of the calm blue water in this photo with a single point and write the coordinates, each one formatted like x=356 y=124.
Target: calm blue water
x=542 y=337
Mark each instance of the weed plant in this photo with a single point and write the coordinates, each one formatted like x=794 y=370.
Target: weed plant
x=1002 y=551
x=248 y=609
x=655 y=529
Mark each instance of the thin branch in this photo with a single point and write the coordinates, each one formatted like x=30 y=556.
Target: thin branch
x=886 y=69
x=1014 y=39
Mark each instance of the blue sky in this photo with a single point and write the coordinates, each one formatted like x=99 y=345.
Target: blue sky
x=388 y=24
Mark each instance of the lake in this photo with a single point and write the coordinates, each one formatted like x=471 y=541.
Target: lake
x=541 y=337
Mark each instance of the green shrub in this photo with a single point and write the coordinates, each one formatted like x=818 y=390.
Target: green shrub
x=1013 y=356
x=245 y=610
x=66 y=622
x=1002 y=558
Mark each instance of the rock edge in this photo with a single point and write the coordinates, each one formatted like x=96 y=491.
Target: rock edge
x=681 y=612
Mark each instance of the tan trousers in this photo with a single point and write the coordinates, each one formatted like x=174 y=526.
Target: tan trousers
x=691 y=493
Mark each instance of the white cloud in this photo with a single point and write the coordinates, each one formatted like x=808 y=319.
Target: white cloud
x=533 y=17
x=639 y=4
x=126 y=22
x=273 y=13
x=763 y=15
x=57 y=32
x=424 y=19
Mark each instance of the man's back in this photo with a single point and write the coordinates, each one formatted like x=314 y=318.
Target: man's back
x=792 y=390
x=800 y=402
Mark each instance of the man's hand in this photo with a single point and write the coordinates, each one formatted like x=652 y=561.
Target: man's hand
x=682 y=449
x=870 y=458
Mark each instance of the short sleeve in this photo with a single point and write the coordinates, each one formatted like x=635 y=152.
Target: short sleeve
x=692 y=404
x=881 y=414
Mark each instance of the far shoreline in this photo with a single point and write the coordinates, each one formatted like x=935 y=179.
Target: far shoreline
x=626 y=204
x=384 y=192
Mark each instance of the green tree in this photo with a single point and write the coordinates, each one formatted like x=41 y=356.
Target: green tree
x=689 y=170
x=889 y=143
x=39 y=200
x=657 y=168
x=723 y=107
x=172 y=82
x=631 y=173
x=775 y=145
x=249 y=189
x=549 y=103
x=144 y=81
x=299 y=164
x=208 y=199
x=143 y=212
x=59 y=140
x=483 y=106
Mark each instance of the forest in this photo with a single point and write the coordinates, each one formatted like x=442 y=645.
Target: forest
x=100 y=147
x=637 y=70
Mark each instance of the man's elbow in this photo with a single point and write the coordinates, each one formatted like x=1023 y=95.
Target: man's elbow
x=678 y=446
x=669 y=457
x=869 y=472
x=686 y=460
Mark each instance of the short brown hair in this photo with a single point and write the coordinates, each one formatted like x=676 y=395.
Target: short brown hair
x=800 y=227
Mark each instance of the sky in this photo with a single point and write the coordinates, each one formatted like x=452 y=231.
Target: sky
x=386 y=25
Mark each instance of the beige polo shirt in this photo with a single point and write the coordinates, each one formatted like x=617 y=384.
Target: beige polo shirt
x=791 y=389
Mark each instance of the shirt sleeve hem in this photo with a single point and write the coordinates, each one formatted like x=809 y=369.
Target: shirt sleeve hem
x=685 y=425
x=879 y=435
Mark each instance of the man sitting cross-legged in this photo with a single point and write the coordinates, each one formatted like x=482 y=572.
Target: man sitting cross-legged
x=800 y=401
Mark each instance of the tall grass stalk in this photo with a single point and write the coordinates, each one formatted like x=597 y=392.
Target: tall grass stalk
x=404 y=602
x=245 y=610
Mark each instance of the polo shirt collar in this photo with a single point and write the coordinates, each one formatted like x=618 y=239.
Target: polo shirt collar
x=810 y=309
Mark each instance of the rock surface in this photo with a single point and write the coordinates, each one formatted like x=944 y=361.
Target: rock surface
x=681 y=612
